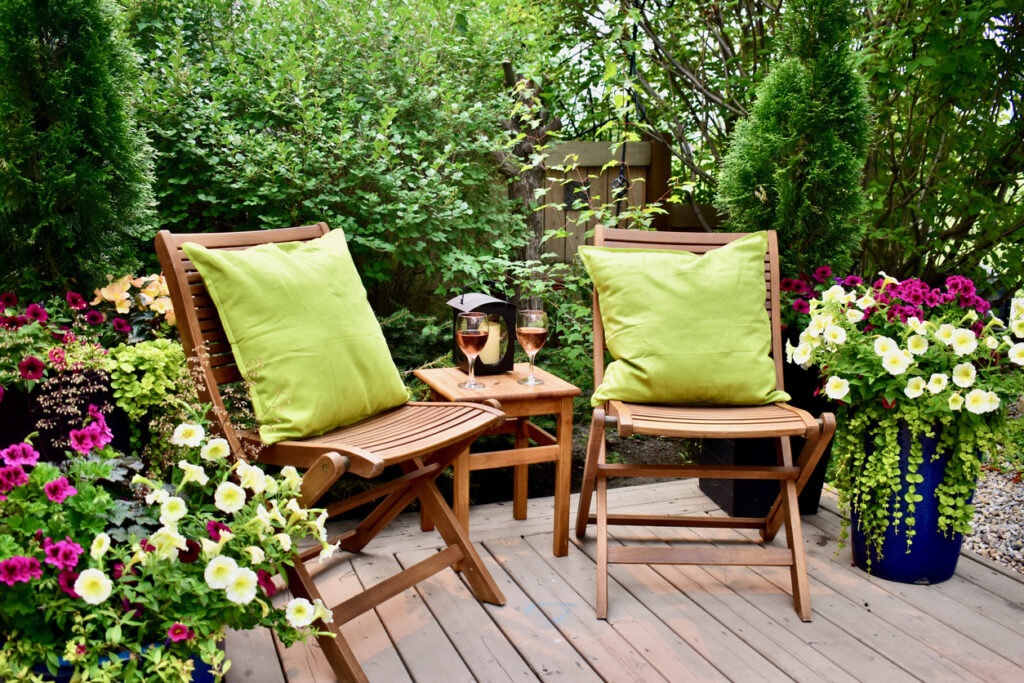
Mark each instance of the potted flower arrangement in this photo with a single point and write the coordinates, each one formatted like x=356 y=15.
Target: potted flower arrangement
x=923 y=377
x=73 y=597
x=751 y=497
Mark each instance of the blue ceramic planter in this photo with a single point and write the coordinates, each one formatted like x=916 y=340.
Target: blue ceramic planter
x=201 y=672
x=933 y=555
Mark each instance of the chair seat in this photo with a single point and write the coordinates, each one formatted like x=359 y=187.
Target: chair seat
x=390 y=438
x=712 y=422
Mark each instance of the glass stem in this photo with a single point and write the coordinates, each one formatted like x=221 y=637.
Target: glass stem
x=472 y=362
x=531 y=356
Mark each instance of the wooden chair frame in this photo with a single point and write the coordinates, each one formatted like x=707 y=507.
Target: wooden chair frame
x=421 y=438
x=778 y=421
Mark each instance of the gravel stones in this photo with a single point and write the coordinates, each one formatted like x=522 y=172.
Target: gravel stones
x=999 y=520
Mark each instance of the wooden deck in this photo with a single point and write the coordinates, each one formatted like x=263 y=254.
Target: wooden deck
x=665 y=623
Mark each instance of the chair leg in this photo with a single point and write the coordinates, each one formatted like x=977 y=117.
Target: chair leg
x=336 y=649
x=601 y=604
x=810 y=455
x=795 y=541
x=595 y=452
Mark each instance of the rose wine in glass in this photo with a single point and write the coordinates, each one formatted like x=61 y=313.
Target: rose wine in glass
x=532 y=332
x=471 y=331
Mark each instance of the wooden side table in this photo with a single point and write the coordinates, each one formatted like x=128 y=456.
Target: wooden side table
x=520 y=403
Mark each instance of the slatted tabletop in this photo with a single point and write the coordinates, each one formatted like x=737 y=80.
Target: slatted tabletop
x=665 y=623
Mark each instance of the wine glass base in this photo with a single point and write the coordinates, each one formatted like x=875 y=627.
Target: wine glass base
x=471 y=385
x=530 y=381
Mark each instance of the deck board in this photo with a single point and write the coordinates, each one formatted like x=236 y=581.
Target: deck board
x=665 y=622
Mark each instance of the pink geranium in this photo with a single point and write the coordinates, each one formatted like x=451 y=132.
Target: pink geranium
x=59 y=489
x=12 y=477
x=82 y=440
x=62 y=554
x=20 y=454
x=20 y=569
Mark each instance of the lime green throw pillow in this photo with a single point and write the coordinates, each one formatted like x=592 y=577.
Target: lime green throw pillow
x=303 y=334
x=685 y=329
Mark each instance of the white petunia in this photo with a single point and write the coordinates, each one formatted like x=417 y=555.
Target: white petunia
x=833 y=294
x=171 y=510
x=1016 y=353
x=229 y=497
x=321 y=612
x=211 y=549
x=945 y=333
x=917 y=344
x=188 y=435
x=915 y=387
x=964 y=341
x=991 y=343
x=956 y=402
x=1016 y=309
x=993 y=401
x=834 y=334
x=895 y=362
x=252 y=477
x=937 y=382
x=885 y=345
x=285 y=541
x=866 y=301
x=192 y=473
x=215 y=449
x=917 y=325
x=100 y=545
x=157 y=496
x=802 y=355
x=816 y=327
x=963 y=375
x=836 y=388
x=291 y=477
x=94 y=586
x=328 y=551
x=256 y=555
x=242 y=588
x=1017 y=327
x=220 y=571
x=854 y=315
x=300 y=613
x=976 y=401
x=789 y=351
x=167 y=542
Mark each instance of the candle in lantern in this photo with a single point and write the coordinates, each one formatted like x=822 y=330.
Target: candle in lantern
x=492 y=350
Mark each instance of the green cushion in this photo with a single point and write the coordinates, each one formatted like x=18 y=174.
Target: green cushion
x=685 y=329
x=303 y=334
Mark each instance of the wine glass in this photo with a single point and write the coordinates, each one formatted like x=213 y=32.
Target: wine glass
x=532 y=332
x=471 y=330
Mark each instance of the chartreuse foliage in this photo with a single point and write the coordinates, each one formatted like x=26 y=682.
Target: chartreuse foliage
x=378 y=118
x=795 y=164
x=74 y=168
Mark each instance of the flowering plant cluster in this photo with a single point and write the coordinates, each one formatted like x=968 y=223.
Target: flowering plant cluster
x=797 y=293
x=936 y=359
x=69 y=591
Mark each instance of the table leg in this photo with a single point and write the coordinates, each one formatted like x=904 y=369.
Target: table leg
x=520 y=485
x=563 y=471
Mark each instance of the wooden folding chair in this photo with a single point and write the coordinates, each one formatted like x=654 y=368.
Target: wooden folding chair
x=421 y=438
x=780 y=421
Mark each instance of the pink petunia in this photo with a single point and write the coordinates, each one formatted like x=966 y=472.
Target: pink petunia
x=20 y=454
x=76 y=301
x=59 y=490
x=62 y=554
x=12 y=477
x=801 y=306
x=31 y=368
x=822 y=273
x=20 y=569
x=178 y=632
x=37 y=312
x=852 y=281
x=66 y=580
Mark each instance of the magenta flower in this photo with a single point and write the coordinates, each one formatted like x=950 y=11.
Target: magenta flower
x=62 y=554
x=20 y=454
x=120 y=325
x=853 y=281
x=59 y=489
x=2 y=390
x=801 y=306
x=66 y=580
x=31 y=368
x=82 y=440
x=179 y=632
x=266 y=582
x=94 y=317
x=12 y=477
x=214 y=528
x=57 y=358
x=8 y=300
x=787 y=284
x=37 y=312
x=822 y=273
x=75 y=300
x=191 y=552
x=20 y=569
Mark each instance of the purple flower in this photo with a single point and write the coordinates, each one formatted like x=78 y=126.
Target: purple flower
x=31 y=368
x=20 y=569
x=822 y=273
x=801 y=306
x=94 y=317
x=135 y=609
x=59 y=490
x=66 y=580
x=214 y=528
x=62 y=554
x=120 y=325
x=37 y=312
x=20 y=454
x=75 y=300
x=12 y=477
x=853 y=281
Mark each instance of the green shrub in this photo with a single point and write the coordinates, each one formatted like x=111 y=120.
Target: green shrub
x=144 y=375
x=75 y=172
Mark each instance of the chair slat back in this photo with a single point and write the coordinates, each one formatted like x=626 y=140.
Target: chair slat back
x=199 y=326
x=696 y=243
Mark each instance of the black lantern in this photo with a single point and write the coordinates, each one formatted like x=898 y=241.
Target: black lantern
x=496 y=356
